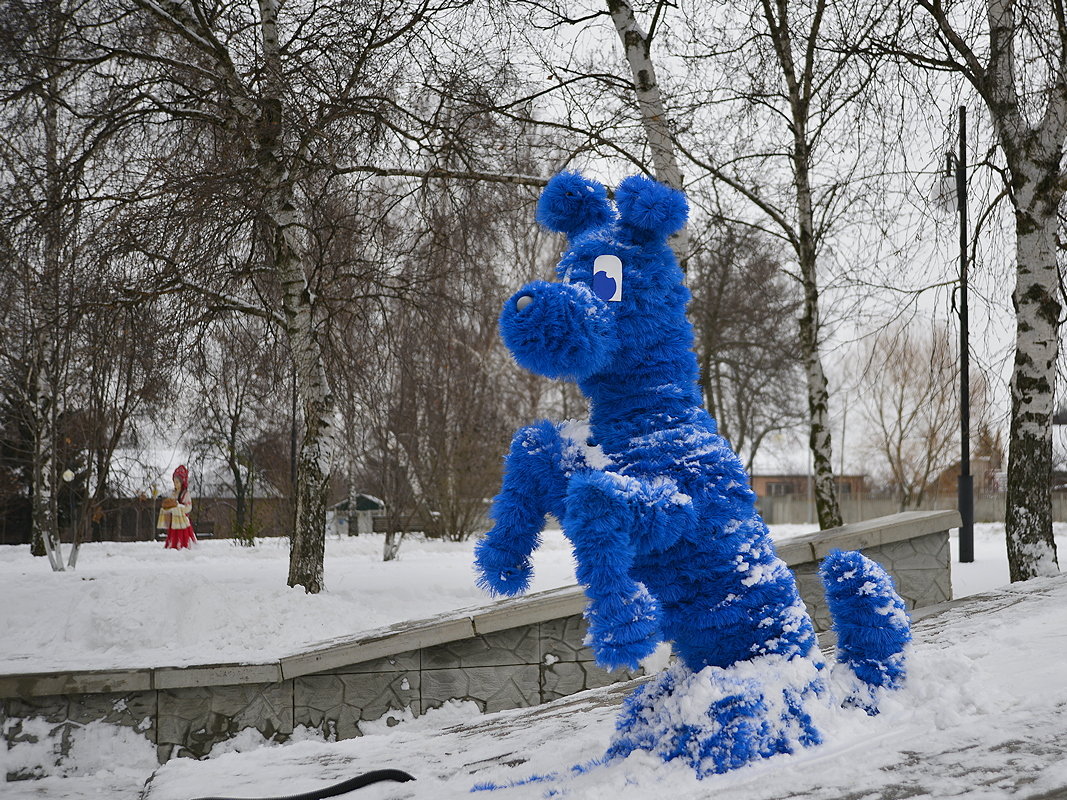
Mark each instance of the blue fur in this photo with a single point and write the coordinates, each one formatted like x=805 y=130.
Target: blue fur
x=870 y=619
x=657 y=506
x=571 y=204
x=566 y=332
x=737 y=727
x=652 y=210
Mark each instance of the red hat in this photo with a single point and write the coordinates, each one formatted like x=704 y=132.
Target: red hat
x=182 y=474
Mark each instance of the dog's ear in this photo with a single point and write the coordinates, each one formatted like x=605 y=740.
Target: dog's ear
x=571 y=204
x=650 y=210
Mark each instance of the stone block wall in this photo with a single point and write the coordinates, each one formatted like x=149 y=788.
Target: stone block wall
x=511 y=654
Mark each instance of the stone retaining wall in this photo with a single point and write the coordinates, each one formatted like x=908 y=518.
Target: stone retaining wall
x=513 y=653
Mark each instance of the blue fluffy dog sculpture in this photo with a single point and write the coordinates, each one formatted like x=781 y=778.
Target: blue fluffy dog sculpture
x=666 y=537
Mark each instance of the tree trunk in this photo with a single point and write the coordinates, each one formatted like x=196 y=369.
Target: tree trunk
x=45 y=386
x=240 y=491
x=819 y=440
x=393 y=538
x=45 y=516
x=80 y=516
x=1030 y=543
x=637 y=46
x=1034 y=153
x=818 y=401
x=313 y=474
x=308 y=543
x=799 y=85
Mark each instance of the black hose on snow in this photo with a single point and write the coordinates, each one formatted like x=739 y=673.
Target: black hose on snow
x=343 y=787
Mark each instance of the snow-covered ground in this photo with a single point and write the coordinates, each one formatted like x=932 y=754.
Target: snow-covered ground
x=136 y=605
x=983 y=717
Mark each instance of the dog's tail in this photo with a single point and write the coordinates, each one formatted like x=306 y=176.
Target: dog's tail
x=871 y=623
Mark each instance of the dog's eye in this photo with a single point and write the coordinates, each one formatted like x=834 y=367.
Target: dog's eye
x=607 y=278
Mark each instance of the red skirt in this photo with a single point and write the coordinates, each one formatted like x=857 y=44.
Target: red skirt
x=178 y=538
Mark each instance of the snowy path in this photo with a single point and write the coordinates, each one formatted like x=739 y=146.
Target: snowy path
x=984 y=716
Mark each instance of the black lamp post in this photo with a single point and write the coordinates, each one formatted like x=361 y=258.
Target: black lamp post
x=957 y=167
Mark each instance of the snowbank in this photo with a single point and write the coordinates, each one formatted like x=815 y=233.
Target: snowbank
x=135 y=604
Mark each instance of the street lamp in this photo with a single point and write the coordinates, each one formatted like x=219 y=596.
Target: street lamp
x=956 y=172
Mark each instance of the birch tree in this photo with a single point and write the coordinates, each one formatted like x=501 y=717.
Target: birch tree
x=59 y=125
x=289 y=88
x=791 y=101
x=244 y=97
x=37 y=188
x=655 y=119
x=1014 y=56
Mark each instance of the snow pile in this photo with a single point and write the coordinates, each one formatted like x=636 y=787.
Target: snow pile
x=720 y=719
x=135 y=604
x=42 y=749
x=983 y=714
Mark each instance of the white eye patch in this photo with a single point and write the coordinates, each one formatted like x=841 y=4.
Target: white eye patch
x=607 y=278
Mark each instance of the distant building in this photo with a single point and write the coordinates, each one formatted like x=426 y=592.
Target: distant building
x=798 y=485
x=355 y=515
x=989 y=477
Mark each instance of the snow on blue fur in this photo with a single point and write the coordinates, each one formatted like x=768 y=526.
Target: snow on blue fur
x=666 y=536
x=719 y=719
x=869 y=618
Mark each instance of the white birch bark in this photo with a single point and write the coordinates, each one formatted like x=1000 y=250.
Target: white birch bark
x=819 y=440
x=1030 y=543
x=819 y=437
x=1034 y=153
x=637 y=46
x=409 y=466
x=44 y=311
x=81 y=520
x=72 y=562
x=314 y=460
x=799 y=83
x=45 y=517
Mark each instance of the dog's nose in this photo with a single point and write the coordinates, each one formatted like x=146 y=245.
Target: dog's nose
x=522 y=301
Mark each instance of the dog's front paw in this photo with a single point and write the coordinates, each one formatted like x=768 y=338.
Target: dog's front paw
x=501 y=572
